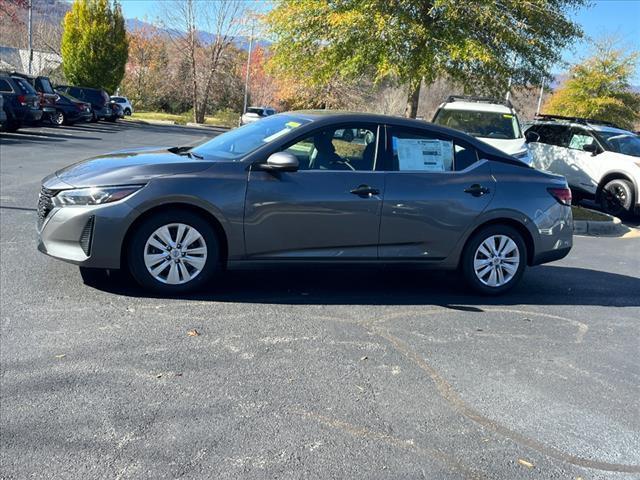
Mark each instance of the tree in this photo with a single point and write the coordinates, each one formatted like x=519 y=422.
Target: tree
x=94 y=44
x=599 y=88
x=145 y=79
x=479 y=44
x=207 y=53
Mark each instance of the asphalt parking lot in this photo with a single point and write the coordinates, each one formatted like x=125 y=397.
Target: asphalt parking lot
x=307 y=374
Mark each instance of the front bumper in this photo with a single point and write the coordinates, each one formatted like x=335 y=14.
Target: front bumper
x=89 y=236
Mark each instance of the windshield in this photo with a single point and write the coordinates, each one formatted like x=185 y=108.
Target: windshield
x=625 y=143
x=257 y=111
x=45 y=85
x=25 y=87
x=237 y=143
x=481 y=124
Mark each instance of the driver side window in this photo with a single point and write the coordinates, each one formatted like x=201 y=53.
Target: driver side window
x=349 y=149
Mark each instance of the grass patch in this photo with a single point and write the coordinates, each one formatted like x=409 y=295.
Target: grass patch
x=224 y=118
x=580 y=213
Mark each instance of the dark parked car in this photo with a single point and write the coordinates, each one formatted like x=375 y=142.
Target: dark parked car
x=98 y=98
x=21 y=102
x=48 y=97
x=3 y=114
x=286 y=190
x=70 y=110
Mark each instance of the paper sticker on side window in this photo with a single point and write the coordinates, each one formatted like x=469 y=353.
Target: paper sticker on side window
x=429 y=155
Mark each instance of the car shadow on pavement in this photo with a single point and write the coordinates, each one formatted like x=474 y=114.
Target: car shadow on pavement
x=22 y=137
x=544 y=285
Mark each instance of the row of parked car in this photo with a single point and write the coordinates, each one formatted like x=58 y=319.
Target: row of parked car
x=31 y=100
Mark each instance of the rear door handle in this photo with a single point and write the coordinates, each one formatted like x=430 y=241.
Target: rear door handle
x=476 y=190
x=365 y=191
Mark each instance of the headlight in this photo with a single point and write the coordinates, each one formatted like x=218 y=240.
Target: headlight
x=93 y=195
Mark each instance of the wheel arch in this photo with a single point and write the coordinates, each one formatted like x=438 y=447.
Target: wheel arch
x=219 y=230
x=517 y=225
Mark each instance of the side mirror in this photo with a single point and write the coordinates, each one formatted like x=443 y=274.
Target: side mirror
x=591 y=147
x=281 y=162
x=531 y=136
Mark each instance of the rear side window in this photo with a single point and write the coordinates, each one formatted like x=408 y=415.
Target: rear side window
x=44 y=85
x=416 y=151
x=558 y=135
x=5 y=87
x=25 y=87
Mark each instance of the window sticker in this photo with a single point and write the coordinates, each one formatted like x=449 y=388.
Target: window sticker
x=429 y=155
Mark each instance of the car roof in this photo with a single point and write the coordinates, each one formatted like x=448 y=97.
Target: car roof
x=589 y=126
x=328 y=117
x=476 y=107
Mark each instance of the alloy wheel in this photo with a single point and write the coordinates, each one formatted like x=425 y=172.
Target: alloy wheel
x=58 y=118
x=175 y=253
x=496 y=260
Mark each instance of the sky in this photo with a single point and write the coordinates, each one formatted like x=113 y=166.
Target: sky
x=620 y=18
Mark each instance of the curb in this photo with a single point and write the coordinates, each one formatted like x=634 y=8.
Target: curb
x=611 y=228
x=153 y=122
x=209 y=127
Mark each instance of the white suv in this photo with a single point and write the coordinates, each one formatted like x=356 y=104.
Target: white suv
x=124 y=102
x=599 y=160
x=489 y=120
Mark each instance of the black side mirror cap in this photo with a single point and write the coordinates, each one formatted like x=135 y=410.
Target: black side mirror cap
x=591 y=147
x=531 y=136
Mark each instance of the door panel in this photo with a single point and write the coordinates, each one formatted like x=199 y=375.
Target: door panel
x=425 y=214
x=312 y=214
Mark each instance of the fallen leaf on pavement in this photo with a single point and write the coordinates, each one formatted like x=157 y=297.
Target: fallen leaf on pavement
x=525 y=463
x=62 y=355
x=193 y=332
x=364 y=358
x=159 y=375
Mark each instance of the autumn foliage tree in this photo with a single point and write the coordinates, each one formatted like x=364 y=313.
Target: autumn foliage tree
x=146 y=71
x=599 y=88
x=480 y=44
x=94 y=44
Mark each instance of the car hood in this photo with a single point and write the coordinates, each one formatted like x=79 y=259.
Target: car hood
x=128 y=167
x=507 y=146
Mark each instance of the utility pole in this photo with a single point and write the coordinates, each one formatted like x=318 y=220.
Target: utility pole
x=30 y=37
x=246 y=77
x=540 y=98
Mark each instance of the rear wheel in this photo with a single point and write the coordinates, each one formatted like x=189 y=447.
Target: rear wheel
x=617 y=197
x=127 y=112
x=173 y=252
x=58 y=118
x=494 y=259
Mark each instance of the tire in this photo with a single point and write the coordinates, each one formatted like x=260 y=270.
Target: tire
x=12 y=125
x=617 y=198
x=127 y=112
x=171 y=279
x=481 y=282
x=94 y=117
x=58 y=119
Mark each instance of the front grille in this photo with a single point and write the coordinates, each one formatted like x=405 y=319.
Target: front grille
x=45 y=204
x=86 y=236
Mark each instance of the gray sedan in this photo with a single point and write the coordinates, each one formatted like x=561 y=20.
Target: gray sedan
x=288 y=189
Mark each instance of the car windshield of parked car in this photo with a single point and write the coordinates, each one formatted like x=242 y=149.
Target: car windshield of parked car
x=257 y=111
x=237 y=143
x=625 y=143
x=481 y=124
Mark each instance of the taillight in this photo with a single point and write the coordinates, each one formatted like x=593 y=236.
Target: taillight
x=22 y=100
x=79 y=107
x=562 y=195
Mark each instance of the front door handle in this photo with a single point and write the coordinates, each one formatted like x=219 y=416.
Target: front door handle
x=476 y=190
x=365 y=191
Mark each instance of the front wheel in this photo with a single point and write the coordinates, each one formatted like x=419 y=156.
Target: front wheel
x=494 y=259
x=173 y=252
x=616 y=198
